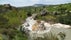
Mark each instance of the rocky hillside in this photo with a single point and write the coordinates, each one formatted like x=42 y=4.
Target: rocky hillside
x=12 y=17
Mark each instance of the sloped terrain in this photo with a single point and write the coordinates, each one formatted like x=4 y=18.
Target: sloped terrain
x=12 y=17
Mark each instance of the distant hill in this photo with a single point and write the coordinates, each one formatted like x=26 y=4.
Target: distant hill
x=37 y=5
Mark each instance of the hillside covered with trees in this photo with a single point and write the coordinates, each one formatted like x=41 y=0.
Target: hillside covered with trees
x=12 y=17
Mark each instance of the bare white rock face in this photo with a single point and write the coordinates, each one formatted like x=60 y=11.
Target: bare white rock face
x=35 y=25
x=59 y=25
x=38 y=28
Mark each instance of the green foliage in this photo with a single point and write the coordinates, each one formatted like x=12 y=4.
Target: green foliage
x=10 y=19
x=1 y=37
x=20 y=36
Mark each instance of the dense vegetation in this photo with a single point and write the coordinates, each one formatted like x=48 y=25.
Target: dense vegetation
x=12 y=17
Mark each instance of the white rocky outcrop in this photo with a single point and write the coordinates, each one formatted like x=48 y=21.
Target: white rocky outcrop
x=59 y=25
x=36 y=25
x=38 y=28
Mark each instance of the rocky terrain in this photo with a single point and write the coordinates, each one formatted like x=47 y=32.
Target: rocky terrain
x=54 y=18
x=37 y=28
